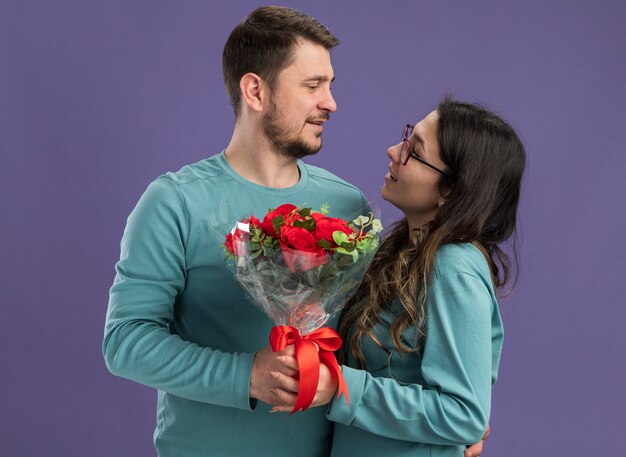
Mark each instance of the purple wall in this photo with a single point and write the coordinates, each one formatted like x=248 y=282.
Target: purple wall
x=99 y=97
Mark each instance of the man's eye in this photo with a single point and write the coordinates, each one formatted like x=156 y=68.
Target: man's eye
x=312 y=87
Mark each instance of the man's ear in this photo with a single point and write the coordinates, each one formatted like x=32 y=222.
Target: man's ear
x=253 y=91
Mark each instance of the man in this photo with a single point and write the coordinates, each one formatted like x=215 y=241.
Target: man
x=177 y=320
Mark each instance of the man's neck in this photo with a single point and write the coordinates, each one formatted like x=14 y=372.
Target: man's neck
x=250 y=155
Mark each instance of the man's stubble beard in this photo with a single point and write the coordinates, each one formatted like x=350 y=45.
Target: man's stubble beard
x=279 y=139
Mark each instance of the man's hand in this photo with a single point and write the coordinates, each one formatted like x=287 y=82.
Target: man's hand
x=268 y=374
x=476 y=449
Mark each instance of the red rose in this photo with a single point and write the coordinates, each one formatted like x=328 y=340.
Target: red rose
x=229 y=243
x=326 y=226
x=298 y=238
x=253 y=221
x=300 y=250
x=267 y=225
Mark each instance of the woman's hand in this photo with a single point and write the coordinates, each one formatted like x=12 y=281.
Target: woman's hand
x=287 y=393
x=476 y=449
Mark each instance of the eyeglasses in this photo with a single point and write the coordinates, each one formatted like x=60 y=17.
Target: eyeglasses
x=408 y=151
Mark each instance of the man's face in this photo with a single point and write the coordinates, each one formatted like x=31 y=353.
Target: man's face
x=301 y=102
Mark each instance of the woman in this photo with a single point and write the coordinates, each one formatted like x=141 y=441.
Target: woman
x=423 y=335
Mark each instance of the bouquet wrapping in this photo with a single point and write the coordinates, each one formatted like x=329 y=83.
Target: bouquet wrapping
x=300 y=267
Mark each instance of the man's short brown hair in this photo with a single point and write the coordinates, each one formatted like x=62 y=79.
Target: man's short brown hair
x=263 y=44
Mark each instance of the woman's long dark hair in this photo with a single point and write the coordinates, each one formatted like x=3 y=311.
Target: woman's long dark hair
x=486 y=159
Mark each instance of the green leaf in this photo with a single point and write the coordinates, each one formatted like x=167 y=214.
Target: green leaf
x=324 y=209
x=324 y=244
x=361 y=220
x=340 y=237
x=354 y=255
x=364 y=244
x=347 y=246
x=298 y=223
x=305 y=212
x=374 y=244
x=309 y=224
x=278 y=223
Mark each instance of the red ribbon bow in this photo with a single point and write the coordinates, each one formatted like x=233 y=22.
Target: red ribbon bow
x=311 y=350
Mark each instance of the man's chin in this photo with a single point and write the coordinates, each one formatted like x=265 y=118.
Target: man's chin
x=300 y=150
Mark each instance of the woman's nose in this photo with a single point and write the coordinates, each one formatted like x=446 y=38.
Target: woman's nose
x=394 y=152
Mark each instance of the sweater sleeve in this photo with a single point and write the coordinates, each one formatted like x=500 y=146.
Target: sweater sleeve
x=453 y=408
x=367 y=208
x=150 y=274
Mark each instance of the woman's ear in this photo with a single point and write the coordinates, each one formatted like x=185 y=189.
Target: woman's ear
x=253 y=91
x=444 y=193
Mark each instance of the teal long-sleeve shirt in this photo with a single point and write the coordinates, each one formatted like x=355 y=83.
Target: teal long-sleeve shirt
x=179 y=322
x=437 y=401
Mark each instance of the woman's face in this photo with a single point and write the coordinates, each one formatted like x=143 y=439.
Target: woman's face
x=413 y=187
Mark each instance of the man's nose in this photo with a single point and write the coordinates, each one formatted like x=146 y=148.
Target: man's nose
x=328 y=103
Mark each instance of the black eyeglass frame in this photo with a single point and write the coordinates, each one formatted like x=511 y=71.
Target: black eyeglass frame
x=408 y=151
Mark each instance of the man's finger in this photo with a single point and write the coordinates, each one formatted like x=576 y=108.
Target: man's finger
x=282 y=400
x=286 y=382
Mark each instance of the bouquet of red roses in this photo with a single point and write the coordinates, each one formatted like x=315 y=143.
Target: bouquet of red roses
x=300 y=267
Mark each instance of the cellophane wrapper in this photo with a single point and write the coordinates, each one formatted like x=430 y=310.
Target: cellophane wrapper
x=305 y=299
